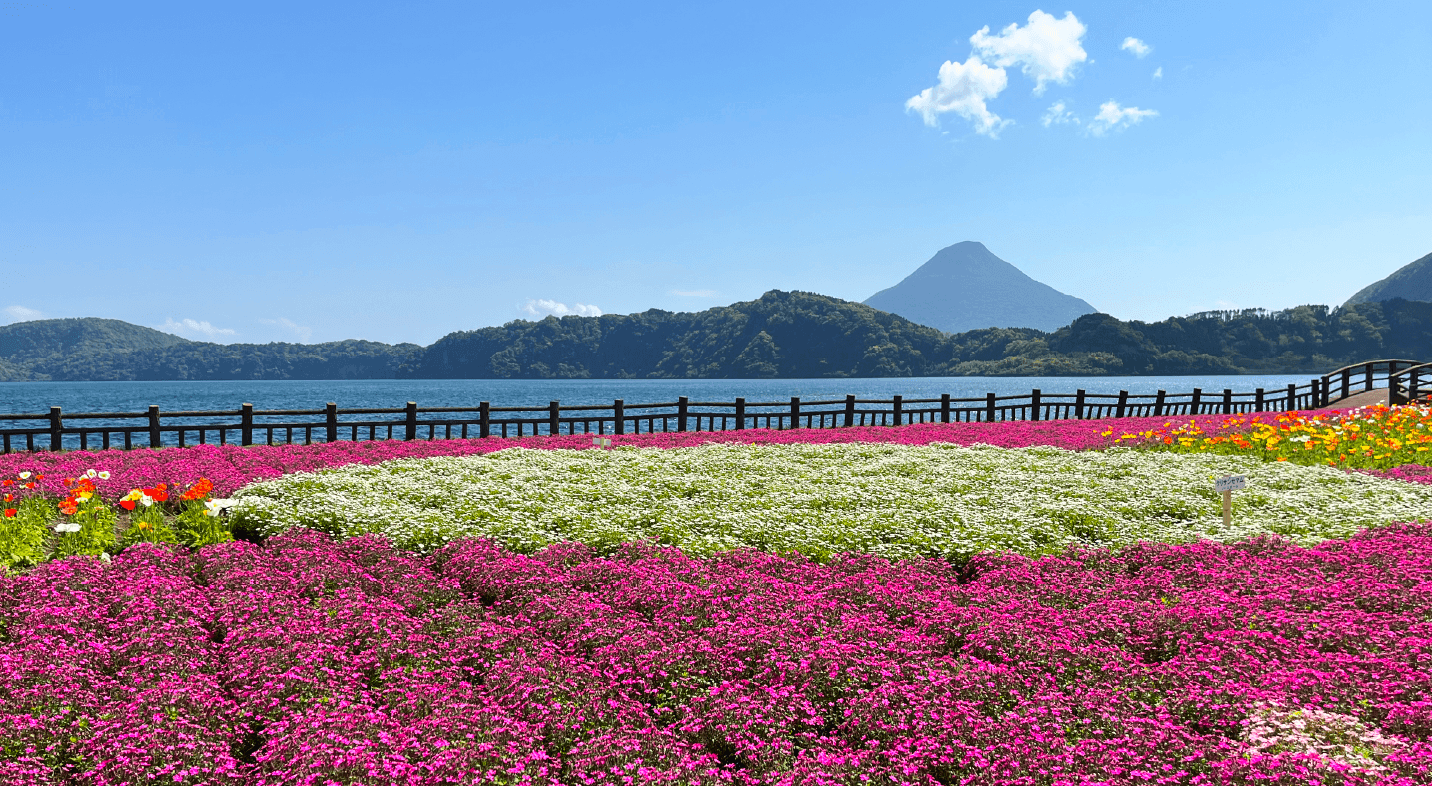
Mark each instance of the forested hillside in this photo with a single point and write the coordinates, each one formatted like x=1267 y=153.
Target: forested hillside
x=108 y=349
x=780 y=334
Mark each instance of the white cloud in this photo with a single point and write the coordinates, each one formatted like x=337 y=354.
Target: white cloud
x=963 y=89
x=540 y=308
x=194 y=329
x=1057 y=115
x=1111 y=117
x=694 y=292
x=301 y=332
x=1047 y=49
x=21 y=314
x=1139 y=48
x=1158 y=73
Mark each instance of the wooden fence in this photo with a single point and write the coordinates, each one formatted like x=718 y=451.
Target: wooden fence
x=57 y=430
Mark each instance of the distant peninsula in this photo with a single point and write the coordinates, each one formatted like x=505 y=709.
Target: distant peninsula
x=779 y=335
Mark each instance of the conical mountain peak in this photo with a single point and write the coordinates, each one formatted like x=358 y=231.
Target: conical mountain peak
x=966 y=287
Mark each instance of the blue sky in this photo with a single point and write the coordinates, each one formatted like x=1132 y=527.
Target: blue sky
x=312 y=172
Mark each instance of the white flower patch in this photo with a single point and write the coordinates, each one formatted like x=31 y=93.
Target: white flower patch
x=893 y=500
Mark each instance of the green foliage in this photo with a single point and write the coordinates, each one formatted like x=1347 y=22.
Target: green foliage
x=194 y=527
x=96 y=535
x=22 y=536
x=108 y=349
x=780 y=334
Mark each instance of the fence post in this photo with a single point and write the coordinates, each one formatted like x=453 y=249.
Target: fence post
x=484 y=419
x=1079 y=404
x=619 y=410
x=897 y=410
x=1292 y=398
x=682 y=410
x=1316 y=394
x=411 y=419
x=1123 y=402
x=554 y=423
x=944 y=407
x=1228 y=401
x=1258 y=400
x=989 y=407
x=850 y=410
x=741 y=413
x=1034 y=404
x=795 y=412
x=332 y=414
x=56 y=430
x=1197 y=403
x=154 y=425
x=246 y=424
x=1159 y=404
x=1367 y=379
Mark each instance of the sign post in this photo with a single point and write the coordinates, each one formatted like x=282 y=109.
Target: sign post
x=602 y=442
x=1227 y=485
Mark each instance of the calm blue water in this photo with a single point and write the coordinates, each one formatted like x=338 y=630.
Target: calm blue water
x=16 y=397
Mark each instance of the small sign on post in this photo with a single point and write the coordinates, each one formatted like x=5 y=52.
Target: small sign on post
x=602 y=442
x=1226 y=485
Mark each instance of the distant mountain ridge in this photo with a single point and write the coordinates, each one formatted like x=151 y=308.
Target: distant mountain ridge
x=966 y=287
x=779 y=335
x=109 y=349
x=1412 y=281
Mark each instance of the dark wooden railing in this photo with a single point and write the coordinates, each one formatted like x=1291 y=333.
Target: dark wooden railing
x=1368 y=375
x=57 y=430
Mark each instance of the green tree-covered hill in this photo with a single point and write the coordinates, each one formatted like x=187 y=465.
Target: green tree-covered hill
x=780 y=334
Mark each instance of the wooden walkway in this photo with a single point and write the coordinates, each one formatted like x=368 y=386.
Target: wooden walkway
x=1364 y=399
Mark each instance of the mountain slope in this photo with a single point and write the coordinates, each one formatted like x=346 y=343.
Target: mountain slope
x=1410 y=282
x=965 y=287
x=26 y=342
x=781 y=334
x=108 y=349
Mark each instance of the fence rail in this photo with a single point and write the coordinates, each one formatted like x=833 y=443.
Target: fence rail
x=57 y=430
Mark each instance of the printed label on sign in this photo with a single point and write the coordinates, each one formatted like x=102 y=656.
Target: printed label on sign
x=1231 y=483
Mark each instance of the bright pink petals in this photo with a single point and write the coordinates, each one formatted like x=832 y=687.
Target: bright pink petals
x=310 y=661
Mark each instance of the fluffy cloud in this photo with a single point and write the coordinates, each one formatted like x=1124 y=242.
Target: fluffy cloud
x=1112 y=117
x=194 y=329
x=963 y=89
x=1158 y=73
x=21 y=314
x=301 y=332
x=1139 y=48
x=1057 y=115
x=1047 y=49
x=539 y=308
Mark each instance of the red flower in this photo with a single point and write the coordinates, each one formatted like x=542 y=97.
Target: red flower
x=127 y=504
x=10 y=512
x=68 y=510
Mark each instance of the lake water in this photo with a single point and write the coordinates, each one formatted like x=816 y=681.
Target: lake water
x=25 y=397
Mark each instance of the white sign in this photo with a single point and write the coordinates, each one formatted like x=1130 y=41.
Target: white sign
x=1231 y=483
x=601 y=442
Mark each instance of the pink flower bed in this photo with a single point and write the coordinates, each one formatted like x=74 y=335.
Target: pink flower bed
x=307 y=661
x=1412 y=473
x=231 y=467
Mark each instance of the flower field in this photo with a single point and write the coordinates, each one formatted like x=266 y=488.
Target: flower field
x=899 y=501
x=1377 y=437
x=1044 y=604
x=316 y=661
x=231 y=467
